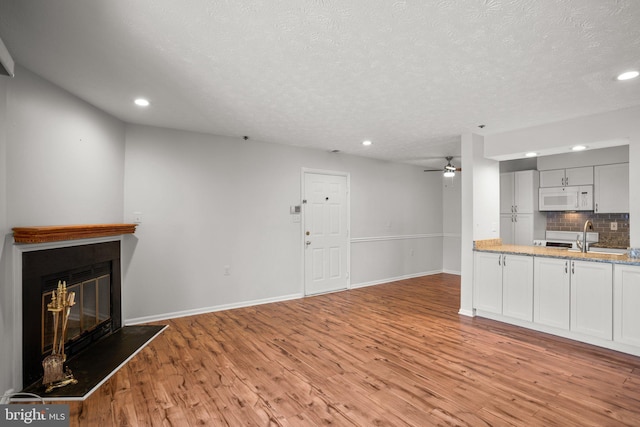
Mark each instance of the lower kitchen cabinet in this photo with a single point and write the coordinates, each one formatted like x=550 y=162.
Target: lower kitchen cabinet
x=626 y=304
x=592 y=298
x=503 y=284
x=552 y=292
x=487 y=287
x=590 y=301
x=517 y=287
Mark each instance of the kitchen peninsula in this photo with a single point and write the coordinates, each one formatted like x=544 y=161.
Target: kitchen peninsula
x=589 y=297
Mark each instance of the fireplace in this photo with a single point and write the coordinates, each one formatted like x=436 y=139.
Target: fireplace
x=93 y=272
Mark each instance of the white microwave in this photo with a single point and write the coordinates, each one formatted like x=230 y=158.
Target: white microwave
x=572 y=198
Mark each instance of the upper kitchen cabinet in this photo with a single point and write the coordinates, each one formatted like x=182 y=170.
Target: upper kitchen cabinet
x=520 y=221
x=611 y=188
x=519 y=192
x=566 y=177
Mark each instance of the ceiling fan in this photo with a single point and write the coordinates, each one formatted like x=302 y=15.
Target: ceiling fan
x=449 y=170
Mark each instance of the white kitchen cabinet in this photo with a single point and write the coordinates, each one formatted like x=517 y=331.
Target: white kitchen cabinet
x=626 y=303
x=520 y=221
x=503 y=284
x=520 y=229
x=611 y=188
x=592 y=298
x=565 y=177
x=551 y=292
x=507 y=229
x=519 y=191
x=517 y=286
x=487 y=282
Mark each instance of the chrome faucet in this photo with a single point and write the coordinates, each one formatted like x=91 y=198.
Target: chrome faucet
x=583 y=245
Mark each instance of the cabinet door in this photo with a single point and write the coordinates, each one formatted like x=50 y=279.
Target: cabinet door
x=487 y=282
x=507 y=229
x=611 y=188
x=517 y=286
x=526 y=191
x=626 y=314
x=579 y=176
x=592 y=298
x=523 y=229
x=551 y=292
x=552 y=178
x=507 y=201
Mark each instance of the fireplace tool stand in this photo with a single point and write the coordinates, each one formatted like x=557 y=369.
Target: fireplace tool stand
x=55 y=375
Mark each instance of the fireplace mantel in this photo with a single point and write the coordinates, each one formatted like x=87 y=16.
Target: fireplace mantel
x=56 y=233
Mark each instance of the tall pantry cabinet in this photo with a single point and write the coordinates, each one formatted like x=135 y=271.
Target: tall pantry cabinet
x=520 y=220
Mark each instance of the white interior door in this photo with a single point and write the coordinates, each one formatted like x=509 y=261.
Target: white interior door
x=326 y=233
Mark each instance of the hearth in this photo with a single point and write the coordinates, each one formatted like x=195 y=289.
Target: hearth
x=93 y=271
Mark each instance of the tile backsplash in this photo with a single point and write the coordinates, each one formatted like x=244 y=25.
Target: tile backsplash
x=574 y=221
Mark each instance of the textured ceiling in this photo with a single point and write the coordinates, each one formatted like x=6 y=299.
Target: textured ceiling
x=411 y=76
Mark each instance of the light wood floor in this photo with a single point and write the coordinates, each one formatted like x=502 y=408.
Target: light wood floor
x=394 y=354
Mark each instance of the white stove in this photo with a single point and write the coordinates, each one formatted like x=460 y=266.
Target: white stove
x=565 y=239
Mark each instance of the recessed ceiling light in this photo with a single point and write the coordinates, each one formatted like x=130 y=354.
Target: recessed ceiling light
x=366 y=143
x=628 y=75
x=531 y=154
x=141 y=102
x=578 y=147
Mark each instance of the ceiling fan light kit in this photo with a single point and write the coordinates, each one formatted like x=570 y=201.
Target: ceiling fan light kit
x=449 y=170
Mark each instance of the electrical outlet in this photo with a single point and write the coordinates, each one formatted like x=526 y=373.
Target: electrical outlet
x=614 y=226
x=137 y=217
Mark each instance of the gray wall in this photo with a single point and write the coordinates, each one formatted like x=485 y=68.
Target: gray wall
x=6 y=291
x=61 y=162
x=210 y=201
x=206 y=201
x=451 y=223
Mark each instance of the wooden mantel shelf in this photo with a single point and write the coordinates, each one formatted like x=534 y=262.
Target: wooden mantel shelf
x=56 y=233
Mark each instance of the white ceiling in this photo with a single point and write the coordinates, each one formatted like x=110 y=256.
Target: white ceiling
x=411 y=76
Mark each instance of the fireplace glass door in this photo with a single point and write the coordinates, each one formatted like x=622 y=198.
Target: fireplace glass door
x=92 y=308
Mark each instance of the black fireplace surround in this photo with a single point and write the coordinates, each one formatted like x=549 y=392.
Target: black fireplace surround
x=41 y=271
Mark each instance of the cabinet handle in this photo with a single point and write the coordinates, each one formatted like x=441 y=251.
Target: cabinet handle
x=504 y=260
x=562 y=182
x=511 y=208
x=596 y=207
x=566 y=181
x=515 y=218
x=516 y=209
x=573 y=268
x=566 y=267
x=499 y=259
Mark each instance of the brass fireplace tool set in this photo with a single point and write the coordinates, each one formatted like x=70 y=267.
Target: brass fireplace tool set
x=55 y=375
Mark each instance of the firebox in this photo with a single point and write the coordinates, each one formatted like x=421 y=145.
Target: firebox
x=93 y=272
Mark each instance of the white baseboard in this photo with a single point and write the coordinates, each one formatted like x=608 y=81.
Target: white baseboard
x=204 y=310
x=457 y=273
x=394 y=279
x=468 y=313
x=212 y=309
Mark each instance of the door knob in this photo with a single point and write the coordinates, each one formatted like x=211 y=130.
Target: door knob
x=308 y=242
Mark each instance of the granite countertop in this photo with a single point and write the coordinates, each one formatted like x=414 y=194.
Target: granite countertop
x=495 y=245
